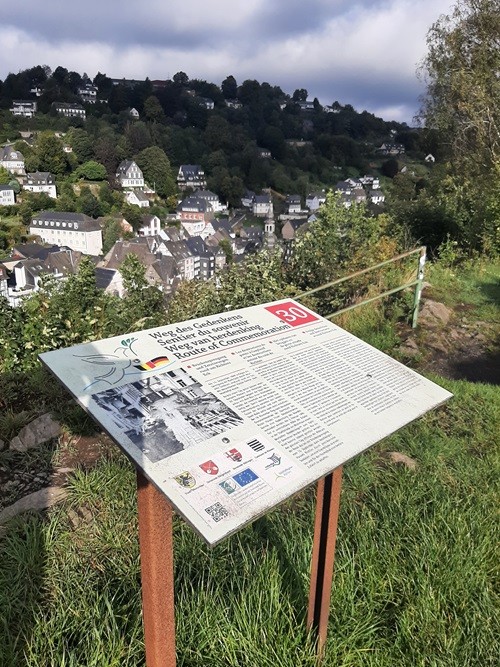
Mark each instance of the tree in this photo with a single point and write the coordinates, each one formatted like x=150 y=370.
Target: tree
x=14 y=184
x=153 y=110
x=229 y=87
x=300 y=95
x=226 y=246
x=111 y=233
x=463 y=92
x=92 y=171
x=339 y=241
x=60 y=75
x=390 y=167
x=181 y=78
x=50 y=154
x=89 y=204
x=106 y=153
x=157 y=170
x=81 y=144
x=138 y=136
x=143 y=303
x=218 y=133
x=462 y=104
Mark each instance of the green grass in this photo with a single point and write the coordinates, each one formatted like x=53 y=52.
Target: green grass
x=416 y=575
x=475 y=285
x=415 y=570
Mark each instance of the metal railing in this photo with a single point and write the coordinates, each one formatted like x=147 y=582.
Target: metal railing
x=416 y=283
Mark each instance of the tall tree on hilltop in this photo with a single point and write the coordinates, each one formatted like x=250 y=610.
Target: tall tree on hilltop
x=462 y=104
x=229 y=87
x=462 y=71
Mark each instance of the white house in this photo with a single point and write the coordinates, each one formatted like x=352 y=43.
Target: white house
x=234 y=104
x=12 y=160
x=41 y=181
x=205 y=102
x=151 y=225
x=24 y=108
x=314 y=200
x=88 y=93
x=137 y=198
x=212 y=200
x=73 y=230
x=69 y=110
x=129 y=175
x=133 y=113
x=191 y=176
x=7 y=195
x=293 y=204
x=376 y=196
x=262 y=206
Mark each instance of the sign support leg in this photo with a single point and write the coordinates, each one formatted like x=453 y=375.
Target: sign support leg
x=323 y=555
x=157 y=574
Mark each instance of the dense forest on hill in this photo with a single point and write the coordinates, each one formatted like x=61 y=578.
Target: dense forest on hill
x=309 y=148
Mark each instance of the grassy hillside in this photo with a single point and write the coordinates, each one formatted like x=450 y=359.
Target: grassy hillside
x=415 y=576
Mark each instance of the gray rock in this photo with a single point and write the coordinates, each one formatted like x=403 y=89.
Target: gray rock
x=39 y=500
x=36 y=433
x=410 y=348
x=434 y=313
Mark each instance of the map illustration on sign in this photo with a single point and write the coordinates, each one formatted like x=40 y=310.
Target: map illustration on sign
x=229 y=415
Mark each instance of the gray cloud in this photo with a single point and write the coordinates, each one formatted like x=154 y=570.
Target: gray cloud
x=363 y=53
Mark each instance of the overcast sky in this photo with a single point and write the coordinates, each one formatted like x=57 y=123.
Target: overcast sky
x=362 y=53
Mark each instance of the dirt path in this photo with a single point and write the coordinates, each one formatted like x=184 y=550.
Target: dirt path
x=452 y=344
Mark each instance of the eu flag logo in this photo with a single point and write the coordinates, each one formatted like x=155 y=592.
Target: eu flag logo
x=245 y=477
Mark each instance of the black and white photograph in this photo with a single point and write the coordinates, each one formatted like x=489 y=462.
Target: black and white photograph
x=166 y=413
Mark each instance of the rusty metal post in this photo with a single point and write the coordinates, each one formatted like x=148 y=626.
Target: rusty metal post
x=157 y=574
x=323 y=556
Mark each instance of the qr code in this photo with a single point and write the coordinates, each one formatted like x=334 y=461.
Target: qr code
x=217 y=511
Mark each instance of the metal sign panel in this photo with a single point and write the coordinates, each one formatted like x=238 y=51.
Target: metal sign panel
x=231 y=414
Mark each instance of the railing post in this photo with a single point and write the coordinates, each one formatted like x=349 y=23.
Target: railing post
x=418 y=286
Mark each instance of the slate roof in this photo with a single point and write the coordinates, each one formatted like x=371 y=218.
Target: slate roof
x=40 y=178
x=124 y=166
x=33 y=251
x=165 y=268
x=63 y=262
x=9 y=153
x=222 y=224
x=198 y=247
x=171 y=234
x=253 y=232
x=104 y=277
x=138 y=247
x=190 y=170
x=205 y=194
x=85 y=224
x=297 y=223
x=262 y=199
x=193 y=203
x=179 y=250
x=140 y=195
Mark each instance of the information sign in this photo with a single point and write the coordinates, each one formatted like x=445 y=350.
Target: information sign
x=231 y=414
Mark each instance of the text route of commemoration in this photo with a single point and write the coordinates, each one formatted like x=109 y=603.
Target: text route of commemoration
x=189 y=340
